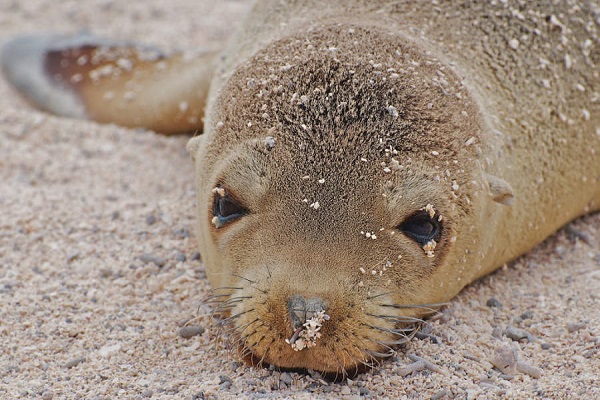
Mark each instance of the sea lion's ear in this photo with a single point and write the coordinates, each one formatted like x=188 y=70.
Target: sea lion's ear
x=193 y=145
x=500 y=190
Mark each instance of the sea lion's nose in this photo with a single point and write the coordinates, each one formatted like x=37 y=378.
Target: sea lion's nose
x=301 y=309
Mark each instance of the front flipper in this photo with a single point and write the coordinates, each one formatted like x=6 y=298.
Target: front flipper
x=121 y=83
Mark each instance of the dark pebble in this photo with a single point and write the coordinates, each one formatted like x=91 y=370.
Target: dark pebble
x=424 y=336
x=493 y=302
x=198 y=396
x=74 y=362
x=546 y=346
x=225 y=385
x=150 y=258
x=574 y=233
x=527 y=315
x=363 y=391
x=224 y=378
x=234 y=366
x=180 y=257
x=190 y=331
x=182 y=233
x=115 y=215
x=150 y=219
x=517 y=334
x=195 y=256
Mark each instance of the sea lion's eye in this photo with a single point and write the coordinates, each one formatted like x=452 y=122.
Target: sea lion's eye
x=226 y=209
x=421 y=227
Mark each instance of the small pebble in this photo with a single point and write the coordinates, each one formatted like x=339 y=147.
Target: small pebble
x=574 y=233
x=575 y=326
x=546 y=346
x=180 y=257
x=150 y=219
x=529 y=370
x=74 y=362
x=195 y=256
x=517 y=334
x=493 y=302
x=182 y=233
x=286 y=378
x=419 y=364
x=72 y=257
x=106 y=273
x=47 y=396
x=590 y=353
x=148 y=393
x=234 y=366
x=363 y=391
x=527 y=315
x=345 y=390
x=190 y=331
x=505 y=359
x=151 y=258
x=497 y=332
x=224 y=378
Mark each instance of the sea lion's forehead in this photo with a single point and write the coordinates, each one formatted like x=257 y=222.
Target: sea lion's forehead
x=312 y=91
x=324 y=111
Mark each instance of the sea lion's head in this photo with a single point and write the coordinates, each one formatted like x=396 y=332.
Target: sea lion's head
x=336 y=186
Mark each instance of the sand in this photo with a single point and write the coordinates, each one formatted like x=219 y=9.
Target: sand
x=98 y=263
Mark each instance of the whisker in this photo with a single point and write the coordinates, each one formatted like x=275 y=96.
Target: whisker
x=227 y=288
x=388 y=348
x=399 y=319
x=244 y=278
x=430 y=307
x=379 y=355
x=260 y=362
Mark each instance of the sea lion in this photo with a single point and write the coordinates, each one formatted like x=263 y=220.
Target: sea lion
x=360 y=162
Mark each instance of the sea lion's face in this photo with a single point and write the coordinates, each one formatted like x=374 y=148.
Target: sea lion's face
x=329 y=195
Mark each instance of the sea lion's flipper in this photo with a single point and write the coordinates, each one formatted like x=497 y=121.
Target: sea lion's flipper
x=121 y=83
x=500 y=190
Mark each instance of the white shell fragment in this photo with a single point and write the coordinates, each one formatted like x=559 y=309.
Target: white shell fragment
x=308 y=334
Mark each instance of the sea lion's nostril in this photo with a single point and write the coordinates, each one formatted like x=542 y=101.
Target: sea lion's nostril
x=307 y=316
x=301 y=309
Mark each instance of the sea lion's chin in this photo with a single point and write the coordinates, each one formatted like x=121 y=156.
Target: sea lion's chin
x=336 y=331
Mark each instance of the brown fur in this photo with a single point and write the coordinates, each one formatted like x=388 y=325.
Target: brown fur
x=375 y=110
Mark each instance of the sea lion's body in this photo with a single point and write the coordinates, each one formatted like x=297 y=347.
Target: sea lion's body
x=367 y=159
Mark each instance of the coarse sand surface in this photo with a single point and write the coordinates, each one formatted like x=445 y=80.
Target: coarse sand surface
x=98 y=263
